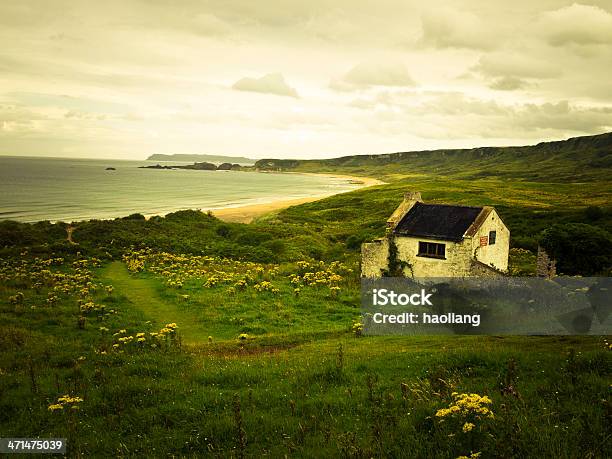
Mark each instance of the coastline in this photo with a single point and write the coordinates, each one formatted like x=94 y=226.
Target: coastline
x=228 y=208
x=248 y=213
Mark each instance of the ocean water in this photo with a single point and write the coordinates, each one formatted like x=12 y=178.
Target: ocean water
x=34 y=189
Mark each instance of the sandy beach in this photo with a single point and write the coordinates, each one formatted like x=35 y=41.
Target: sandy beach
x=246 y=214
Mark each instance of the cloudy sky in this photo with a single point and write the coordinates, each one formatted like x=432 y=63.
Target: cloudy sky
x=272 y=78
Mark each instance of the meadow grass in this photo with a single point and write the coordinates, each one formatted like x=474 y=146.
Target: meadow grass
x=296 y=386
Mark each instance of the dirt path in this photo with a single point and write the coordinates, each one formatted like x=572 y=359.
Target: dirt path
x=142 y=295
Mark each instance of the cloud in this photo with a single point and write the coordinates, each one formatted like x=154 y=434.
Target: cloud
x=272 y=83
x=374 y=74
x=507 y=83
x=14 y=113
x=445 y=28
x=437 y=115
x=210 y=25
x=577 y=24
x=76 y=114
x=515 y=65
x=563 y=116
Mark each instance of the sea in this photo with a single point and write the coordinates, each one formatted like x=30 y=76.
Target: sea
x=59 y=189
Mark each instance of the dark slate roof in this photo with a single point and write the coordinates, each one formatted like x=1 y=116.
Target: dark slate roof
x=437 y=221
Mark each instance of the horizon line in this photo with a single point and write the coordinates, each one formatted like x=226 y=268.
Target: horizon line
x=302 y=159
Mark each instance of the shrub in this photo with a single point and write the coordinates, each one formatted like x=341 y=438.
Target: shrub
x=578 y=248
x=593 y=213
x=223 y=231
x=134 y=217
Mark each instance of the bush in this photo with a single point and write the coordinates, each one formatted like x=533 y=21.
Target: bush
x=253 y=238
x=578 y=248
x=593 y=213
x=354 y=241
x=134 y=217
x=524 y=242
x=224 y=231
x=276 y=246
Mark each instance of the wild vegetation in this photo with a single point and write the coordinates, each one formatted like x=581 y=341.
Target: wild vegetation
x=188 y=336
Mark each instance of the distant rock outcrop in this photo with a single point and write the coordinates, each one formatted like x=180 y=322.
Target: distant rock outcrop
x=204 y=166
x=157 y=166
x=200 y=158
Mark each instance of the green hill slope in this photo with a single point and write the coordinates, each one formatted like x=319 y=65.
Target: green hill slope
x=576 y=159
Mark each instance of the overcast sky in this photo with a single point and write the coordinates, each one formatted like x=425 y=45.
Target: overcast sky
x=304 y=78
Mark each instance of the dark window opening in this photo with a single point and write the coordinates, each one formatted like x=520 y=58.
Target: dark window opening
x=492 y=236
x=432 y=250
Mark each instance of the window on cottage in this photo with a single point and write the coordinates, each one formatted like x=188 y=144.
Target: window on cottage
x=492 y=236
x=432 y=250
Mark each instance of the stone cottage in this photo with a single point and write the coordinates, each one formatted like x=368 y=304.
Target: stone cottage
x=438 y=240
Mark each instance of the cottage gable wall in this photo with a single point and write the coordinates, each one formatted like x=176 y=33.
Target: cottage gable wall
x=495 y=255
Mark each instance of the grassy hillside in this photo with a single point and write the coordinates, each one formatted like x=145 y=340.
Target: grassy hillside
x=577 y=159
x=186 y=336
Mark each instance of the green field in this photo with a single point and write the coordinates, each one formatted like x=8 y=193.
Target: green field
x=265 y=358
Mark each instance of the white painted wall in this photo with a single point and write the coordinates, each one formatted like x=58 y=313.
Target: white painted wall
x=495 y=255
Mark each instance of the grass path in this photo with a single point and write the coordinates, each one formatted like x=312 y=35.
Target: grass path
x=143 y=296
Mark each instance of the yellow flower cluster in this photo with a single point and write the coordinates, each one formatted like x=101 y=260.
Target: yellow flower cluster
x=17 y=298
x=241 y=284
x=235 y=275
x=90 y=306
x=357 y=328
x=55 y=277
x=265 y=286
x=518 y=251
x=134 y=264
x=467 y=404
x=141 y=337
x=66 y=401
x=320 y=274
x=468 y=426
x=471 y=456
x=169 y=329
x=212 y=272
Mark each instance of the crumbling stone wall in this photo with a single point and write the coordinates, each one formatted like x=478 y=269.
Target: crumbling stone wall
x=374 y=258
x=479 y=269
x=545 y=265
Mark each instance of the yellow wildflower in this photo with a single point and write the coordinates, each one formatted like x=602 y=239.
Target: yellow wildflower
x=467 y=427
